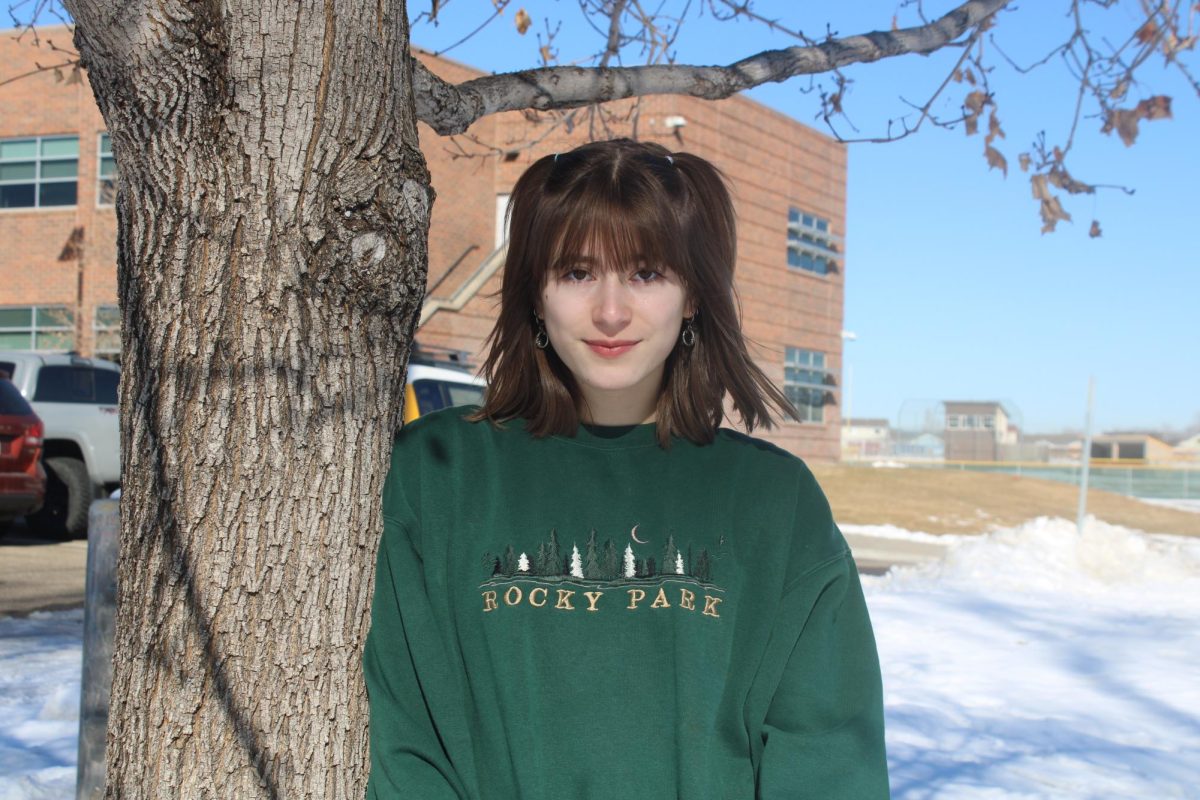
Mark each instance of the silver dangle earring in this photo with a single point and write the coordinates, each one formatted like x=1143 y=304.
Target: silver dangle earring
x=541 y=339
x=688 y=337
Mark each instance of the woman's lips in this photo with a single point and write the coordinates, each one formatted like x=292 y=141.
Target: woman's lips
x=610 y=349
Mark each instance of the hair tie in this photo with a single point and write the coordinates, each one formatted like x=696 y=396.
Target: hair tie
x=556 y=158
x=670 y=160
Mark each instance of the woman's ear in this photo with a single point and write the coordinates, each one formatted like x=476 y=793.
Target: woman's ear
x=689 y=308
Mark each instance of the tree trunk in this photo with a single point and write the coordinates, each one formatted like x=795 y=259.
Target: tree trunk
x=273 y=211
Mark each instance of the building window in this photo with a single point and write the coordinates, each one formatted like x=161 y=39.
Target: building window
x=106 y=173
x=107 y=325
x=42 y=328
x=811 y=247
x=39 y=172
x=953 y=421
x=807 y=383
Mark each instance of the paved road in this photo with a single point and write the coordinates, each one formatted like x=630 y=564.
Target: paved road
x=41 y=575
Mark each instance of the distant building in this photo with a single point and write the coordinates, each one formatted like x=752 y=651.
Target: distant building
x=1131 y=447
x=866 y=438
x=1054 y=448
x=1188 y=450
x=977 y=431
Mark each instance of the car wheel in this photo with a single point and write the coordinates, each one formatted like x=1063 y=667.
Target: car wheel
x=68 y=496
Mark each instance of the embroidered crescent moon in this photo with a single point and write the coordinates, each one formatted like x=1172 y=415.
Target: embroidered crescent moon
x=633 y=533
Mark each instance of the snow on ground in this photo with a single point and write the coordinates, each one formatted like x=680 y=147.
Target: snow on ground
x=1032 y=663
x=1182 y=505
x=1029 y=663
x=40 y=663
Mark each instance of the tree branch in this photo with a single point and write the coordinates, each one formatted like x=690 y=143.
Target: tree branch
x=450 y=109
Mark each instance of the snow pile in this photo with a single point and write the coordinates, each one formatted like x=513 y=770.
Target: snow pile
x=1034 y=663
x=40 y=662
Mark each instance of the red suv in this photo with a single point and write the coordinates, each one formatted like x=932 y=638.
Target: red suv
x=22 y=479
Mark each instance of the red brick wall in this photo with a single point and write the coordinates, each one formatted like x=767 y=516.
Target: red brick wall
x=772 y=161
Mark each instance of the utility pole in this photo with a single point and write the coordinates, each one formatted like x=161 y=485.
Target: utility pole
x=1086 y=456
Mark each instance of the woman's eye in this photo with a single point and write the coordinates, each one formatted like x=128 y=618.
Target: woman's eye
x=647 y=275
x=575 y=275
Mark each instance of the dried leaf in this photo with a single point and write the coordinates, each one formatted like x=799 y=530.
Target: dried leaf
x=1058 y=154
x=970 y=76
x=995 y=159
x=895 y=22
x=1156 y=107
x=976 y=100
x=58 y=75
x=1094 y=231
x=522 y=21
x=972 y=121
x=1051 y=209
x=957 y=75
x=1147 y=33
x=1024 y=160
x=1059 y=176
x=75 y=77
x=994 y=128
x=1119 y=90
x=433 y=10
x=547 y=56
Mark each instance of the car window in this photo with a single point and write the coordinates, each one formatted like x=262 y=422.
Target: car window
x=464 y=394
x=106 y=387
x=7 y=368
x=11 y=401
x=429 y=395
x=66 y=385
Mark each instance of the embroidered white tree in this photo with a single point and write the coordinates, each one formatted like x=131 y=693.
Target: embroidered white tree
x=523 y=563
x=576 y=562
x=630 y=567
x=678 y=563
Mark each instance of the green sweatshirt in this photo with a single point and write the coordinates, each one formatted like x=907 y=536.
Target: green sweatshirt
x=596 y=618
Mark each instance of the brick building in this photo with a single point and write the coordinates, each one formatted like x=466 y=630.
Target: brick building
x=57 y=266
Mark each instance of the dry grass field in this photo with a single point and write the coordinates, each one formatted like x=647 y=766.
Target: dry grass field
x=946 y=501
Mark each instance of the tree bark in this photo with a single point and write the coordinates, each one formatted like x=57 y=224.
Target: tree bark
x=272 y=212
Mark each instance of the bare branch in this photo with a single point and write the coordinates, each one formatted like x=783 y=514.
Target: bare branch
x=450 y=109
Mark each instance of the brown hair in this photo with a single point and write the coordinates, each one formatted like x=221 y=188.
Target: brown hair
x=626 y=202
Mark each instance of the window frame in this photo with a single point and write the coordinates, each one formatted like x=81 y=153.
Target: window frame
x=38 y=181
x=101 y=178
x=36 y=331
x=811 y=246
x=805 y=379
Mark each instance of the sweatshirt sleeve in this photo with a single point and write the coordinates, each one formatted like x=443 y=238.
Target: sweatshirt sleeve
x=823 y=731
x=407 y=757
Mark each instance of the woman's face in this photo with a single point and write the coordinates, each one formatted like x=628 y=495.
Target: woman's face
x=613 y=329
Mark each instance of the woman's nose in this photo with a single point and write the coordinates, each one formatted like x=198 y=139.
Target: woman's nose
x=612 y=311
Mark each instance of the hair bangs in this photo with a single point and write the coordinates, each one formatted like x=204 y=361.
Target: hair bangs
x=606 y=223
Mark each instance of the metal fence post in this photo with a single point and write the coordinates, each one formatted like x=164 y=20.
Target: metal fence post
x=99 y=610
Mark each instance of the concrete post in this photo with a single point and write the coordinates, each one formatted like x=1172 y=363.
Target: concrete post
x=99 y=611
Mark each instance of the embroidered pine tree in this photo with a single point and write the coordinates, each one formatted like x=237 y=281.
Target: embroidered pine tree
x=553 y=559
x=630 y=567
x=651 y=570
x=523 y=563
x=497 y=568
x=678 y=563
x=591 y=563
x=611 y=563
x=539 y=562
x=703 y=566
x=510 y=561
x=640 y=568
x=668 y=554
x=576 y=562
x=689 y=561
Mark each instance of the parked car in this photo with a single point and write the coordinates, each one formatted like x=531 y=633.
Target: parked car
x=431 y=387
x=22 y=478
x=76 y=399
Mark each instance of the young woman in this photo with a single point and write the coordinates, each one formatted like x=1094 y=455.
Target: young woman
x=587 y=589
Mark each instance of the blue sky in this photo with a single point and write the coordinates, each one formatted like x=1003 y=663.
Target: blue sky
x=951 y=288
